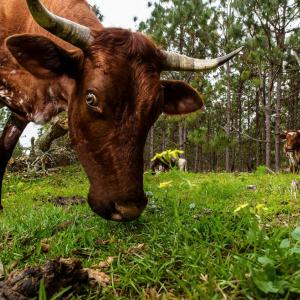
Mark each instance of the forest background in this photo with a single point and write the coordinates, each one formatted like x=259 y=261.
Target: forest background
x=250 y=101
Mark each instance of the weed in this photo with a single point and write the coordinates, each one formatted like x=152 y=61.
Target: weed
x=202 y=236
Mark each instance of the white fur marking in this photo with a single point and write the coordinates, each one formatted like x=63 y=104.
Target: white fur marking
x=291 y=134
x=12 y=132
x=39 y=118
x=182 y=164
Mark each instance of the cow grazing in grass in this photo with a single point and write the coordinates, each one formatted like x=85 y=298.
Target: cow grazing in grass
x=108 y=79
x=292 y=148
x=182 y=164
x=159 y=165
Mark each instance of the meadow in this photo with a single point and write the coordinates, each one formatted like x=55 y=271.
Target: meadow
x=202 y=236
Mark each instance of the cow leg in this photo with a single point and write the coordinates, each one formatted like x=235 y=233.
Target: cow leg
x=10 y=136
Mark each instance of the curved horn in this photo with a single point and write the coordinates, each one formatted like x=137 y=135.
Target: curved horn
x=178 y=62
x=76 y=34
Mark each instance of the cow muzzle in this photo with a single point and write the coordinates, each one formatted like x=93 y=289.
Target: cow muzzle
x=119 y=211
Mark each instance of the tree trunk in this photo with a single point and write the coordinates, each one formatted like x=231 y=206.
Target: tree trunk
x=163 y=140
x=196 y=158
x=184 y=140
x=268 y=112
x=181 y=136
x=278 y=123
x=263 y=101
x=257 y=131
x=228 y=118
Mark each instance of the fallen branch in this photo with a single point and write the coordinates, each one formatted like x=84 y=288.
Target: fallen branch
x=270 y=171
x=58 y=129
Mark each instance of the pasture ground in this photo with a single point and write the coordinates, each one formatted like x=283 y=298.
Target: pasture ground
x=202 y=236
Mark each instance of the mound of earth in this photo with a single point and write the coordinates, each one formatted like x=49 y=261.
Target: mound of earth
x=57 y=275
x=67 y=201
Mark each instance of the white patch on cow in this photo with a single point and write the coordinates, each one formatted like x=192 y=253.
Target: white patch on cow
x=39 y=118
x=294 y=158
x=2 y=94
x=23 y=100
x=12 y=132
x=55 y=119
x=5 y=97
x=291 y=134
x=182 y=164
x=51 y=92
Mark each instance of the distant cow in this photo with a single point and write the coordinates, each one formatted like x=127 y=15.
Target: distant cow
x=182 y=164
x=292 y=148
x=158 y=165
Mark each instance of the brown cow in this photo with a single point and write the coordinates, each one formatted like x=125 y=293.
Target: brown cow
x=109 y=81
x=159 y=165
x=292 y=148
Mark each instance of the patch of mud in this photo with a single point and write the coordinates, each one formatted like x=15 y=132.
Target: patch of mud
x=57 y=275
x=67 y=201
x=285 y=220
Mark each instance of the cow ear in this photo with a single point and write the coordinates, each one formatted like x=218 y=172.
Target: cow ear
x=283 y=135
x=42 y=57
x=180 y=98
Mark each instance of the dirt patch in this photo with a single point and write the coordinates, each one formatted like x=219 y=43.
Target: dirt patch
x=67 y=201
x=286 y=220
x=57 y=275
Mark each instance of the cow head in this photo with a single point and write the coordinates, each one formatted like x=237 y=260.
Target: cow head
x=117 y=96
x=292 y=140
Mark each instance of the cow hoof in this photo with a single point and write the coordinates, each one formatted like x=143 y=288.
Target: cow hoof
x=1 y=207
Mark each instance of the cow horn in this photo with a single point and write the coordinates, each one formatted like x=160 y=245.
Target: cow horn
x=178 y=62
x=76 y=34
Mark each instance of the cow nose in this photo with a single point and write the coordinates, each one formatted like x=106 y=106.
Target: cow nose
x=125 y=213
x=119 y=211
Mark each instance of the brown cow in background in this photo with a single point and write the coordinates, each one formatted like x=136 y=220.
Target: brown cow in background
x=158 y=165
x=292 y=148
x=108 y=79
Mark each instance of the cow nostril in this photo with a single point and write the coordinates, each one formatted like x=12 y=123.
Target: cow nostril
x=117 y=217
x=127 y=212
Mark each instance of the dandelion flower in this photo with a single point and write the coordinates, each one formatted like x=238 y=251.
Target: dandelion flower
x=241 y=207
x=166 y=184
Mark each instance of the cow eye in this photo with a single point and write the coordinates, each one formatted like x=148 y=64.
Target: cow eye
x=91 y=99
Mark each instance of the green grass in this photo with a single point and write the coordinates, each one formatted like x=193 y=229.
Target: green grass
x=206 y=236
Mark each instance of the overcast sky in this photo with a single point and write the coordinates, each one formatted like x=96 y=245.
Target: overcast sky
x=120 y=13
x=117 y=13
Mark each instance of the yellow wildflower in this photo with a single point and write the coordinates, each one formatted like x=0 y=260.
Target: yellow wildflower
x=260 y=207
x=166 y=184
x=241 y=207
